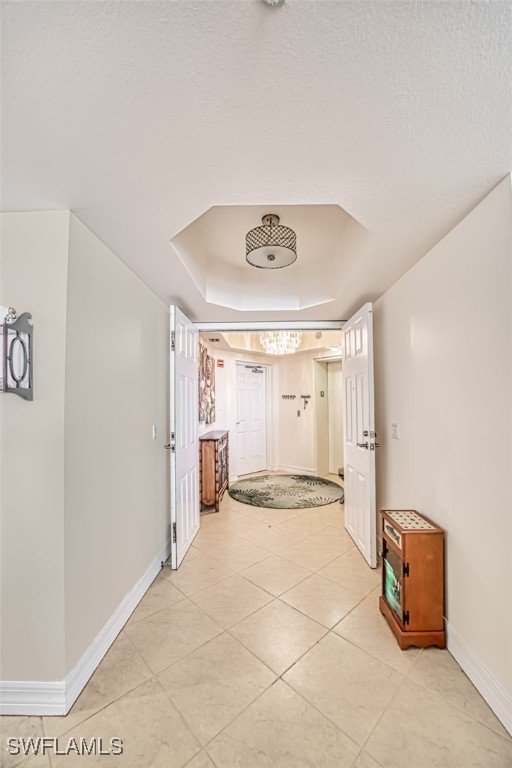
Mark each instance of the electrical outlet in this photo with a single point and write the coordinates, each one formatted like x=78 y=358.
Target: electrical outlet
x=395 y=434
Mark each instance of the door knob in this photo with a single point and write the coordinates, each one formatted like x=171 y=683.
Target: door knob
x=362 y=445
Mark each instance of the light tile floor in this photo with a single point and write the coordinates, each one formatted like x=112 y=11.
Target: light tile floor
x=267 y=650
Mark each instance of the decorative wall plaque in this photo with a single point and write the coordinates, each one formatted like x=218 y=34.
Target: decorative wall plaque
x=17 y=360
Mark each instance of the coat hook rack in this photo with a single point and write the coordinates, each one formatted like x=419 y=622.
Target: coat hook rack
x=306 y=399
x=288 y=397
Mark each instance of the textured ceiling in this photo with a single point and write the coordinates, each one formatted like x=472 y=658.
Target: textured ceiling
x=141 y=116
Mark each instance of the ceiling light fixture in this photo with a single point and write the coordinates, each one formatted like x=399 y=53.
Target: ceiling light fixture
x=280 y=342
x=271 y=246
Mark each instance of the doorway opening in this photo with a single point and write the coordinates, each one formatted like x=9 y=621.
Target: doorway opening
x=358 y=408
x=329 y=417
x=269 y=404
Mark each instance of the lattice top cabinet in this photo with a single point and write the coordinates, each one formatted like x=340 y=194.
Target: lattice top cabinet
x=412 y=598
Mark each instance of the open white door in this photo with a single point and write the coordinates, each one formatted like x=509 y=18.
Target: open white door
x=184 y=444
x=359 y=430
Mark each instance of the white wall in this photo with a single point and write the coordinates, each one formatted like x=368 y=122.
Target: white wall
x=320 y=402
x=84 y=488
x=297 y=450
x=116 y=492
x=33 y=276
x=443 y=346
x=328 y=416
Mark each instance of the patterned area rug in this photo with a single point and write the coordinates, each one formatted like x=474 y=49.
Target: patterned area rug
x=286 y=491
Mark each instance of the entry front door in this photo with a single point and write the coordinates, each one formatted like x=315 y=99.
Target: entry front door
x=359 y=431
x=184 y=444
x=251 y=418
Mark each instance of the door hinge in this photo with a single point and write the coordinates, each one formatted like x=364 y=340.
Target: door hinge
x=173 y=341
x=406 y=617
x=174 y=533
x=406 y=569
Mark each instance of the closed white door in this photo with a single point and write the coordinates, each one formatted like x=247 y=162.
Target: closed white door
x=184 y=444
x=251 y=418
x=359 y=433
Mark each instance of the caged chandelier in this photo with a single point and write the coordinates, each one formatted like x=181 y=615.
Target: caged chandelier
x=271 y=246
x=280 y=342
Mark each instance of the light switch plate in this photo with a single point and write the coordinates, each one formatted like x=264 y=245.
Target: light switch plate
x=153 y=432
x=395 y=431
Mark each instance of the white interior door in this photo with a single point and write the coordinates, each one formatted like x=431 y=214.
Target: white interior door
x=184 y=444
x=251 y=412
x=359 y=431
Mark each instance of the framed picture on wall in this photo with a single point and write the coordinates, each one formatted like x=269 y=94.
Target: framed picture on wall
x=206 y=386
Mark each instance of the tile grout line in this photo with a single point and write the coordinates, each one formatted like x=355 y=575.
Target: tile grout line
x=328 y=718
x=363 y=747
x=130 y=623
x=279 y=676
x=155 y=675
x=267 y=590
x=205 y=555
x=97 y=711
x=181 y=716
x=456 y=706
x=261 y=661
x=354 y=644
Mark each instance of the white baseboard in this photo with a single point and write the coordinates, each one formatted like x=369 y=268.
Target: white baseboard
x=499 y=700
x=297 y=470
x=57 y=698
x=32 y=698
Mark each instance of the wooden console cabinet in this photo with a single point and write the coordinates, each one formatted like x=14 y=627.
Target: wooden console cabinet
x=412 y=597
x=213 y=469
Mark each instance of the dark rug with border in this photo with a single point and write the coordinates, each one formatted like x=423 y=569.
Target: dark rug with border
x=286 y=491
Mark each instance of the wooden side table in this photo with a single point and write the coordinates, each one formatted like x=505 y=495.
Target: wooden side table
x=213 y=468
x=412 y=599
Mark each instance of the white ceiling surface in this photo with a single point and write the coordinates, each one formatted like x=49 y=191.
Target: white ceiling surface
x=212 y=249
x=140 y=116
x=326 y=342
